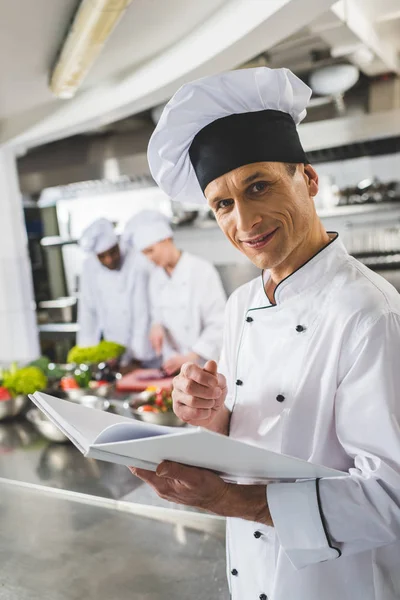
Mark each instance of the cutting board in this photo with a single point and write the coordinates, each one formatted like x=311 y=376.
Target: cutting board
x=133 y=382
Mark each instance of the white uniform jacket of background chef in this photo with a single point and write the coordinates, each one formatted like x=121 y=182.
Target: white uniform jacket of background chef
x=317 y=376
x=116 y=304
x=190 y=304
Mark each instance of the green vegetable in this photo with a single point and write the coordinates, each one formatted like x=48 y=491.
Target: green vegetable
x=103 y=352
x=41 y=363
x=82 y=377
x=24 y=381
x=55 y=373
x=49 y=369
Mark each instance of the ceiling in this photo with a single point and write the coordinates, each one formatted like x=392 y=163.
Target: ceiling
x=365 y=32
x=329 y=38
x=29 y=45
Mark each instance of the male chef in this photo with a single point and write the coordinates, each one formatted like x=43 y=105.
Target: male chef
x=187 y=300
x=310 y=365
x=113 y=299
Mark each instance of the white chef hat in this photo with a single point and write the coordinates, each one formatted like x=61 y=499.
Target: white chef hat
x=147 y=228
x=98 y=237
x=216 y=124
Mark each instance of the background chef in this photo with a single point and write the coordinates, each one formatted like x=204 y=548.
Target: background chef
x=310 y=358
x=186 y=296
x=113 y=299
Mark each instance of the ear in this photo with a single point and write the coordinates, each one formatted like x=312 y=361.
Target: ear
x=311 y=180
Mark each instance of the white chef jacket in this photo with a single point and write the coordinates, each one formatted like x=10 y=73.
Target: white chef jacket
x=115 y=304
x=190 y=304
x=317 y=376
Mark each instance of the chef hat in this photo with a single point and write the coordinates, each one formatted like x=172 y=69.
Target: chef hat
x=217 y=124
x=147 y=228
x=98 y=237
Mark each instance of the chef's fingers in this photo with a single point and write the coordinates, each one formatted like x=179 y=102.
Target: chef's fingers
x=197 y=374
x=190 y=415
x=189 y=387
x=221 y=381
x=183 y=473
x=211 y=367
x=196 y=402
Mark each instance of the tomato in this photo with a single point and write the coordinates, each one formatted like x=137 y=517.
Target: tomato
x=68 y=383
x=4 y=394
x=147 y=408
x=159 y=401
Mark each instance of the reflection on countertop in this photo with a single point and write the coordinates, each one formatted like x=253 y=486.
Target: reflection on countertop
x=26 y=457
x=62 y=550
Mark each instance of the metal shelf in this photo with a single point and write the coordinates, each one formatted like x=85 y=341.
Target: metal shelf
x=55 y=241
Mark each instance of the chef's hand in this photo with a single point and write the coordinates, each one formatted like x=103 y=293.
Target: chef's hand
x=203 y=489
x=173 y=365
x=157 y=338
x=199 y=395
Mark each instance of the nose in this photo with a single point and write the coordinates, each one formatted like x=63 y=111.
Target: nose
x=246 y=217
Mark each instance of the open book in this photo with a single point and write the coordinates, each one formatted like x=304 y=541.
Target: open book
x=105 y=436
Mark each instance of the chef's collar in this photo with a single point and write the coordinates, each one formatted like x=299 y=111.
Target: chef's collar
x=315 y=270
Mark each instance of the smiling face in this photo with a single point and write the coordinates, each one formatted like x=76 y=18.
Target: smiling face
x=266 y=210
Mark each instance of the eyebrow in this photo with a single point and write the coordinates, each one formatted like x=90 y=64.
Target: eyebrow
x=246 y=181
x=253 y=177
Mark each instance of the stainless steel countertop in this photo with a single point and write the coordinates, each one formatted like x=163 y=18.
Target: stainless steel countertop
x=29 y=459
x=54 y=548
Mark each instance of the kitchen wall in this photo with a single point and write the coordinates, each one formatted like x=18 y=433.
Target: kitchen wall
x=348 y=173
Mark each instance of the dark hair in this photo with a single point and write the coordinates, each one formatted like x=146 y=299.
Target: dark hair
x=291 y=168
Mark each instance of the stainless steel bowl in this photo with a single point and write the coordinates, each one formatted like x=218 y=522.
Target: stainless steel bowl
x=94 y=402
x=168 y=418
x=163 y=418
x=13 y=407
x=45 y=427
x=102 y=390
x=76 y=394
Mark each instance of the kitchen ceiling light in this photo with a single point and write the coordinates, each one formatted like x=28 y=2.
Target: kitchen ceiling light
x=333 y=80
x=92 y=25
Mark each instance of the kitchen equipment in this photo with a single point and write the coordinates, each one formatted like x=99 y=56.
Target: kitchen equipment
x=61 y=310
x=45 y=427
x=94 y=402
x=75 y=394
x=163 y=418
x=13 y=407
x=134 y=382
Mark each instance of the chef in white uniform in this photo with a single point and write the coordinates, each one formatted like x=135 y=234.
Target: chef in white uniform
x=310 y=359
x=113 y=299
x=187 y=299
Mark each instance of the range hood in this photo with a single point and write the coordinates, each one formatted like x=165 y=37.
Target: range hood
x=346 y=131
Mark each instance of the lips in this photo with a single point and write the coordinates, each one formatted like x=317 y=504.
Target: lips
x=260 y=241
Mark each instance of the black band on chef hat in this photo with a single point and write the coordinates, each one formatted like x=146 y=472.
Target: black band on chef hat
x=242 y=139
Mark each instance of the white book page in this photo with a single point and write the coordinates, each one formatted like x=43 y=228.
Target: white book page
x=226 y=456
x=86 y=426
x=134 y=430
x=81 y=424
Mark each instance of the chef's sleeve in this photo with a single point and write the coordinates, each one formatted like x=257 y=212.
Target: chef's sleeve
x=324 y=519
x=89 y=332
x=141 y=348
x=154 y=292
x=209 y=343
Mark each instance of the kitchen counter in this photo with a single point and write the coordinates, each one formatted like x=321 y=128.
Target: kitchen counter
x=28 y=459
x=58 y=548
